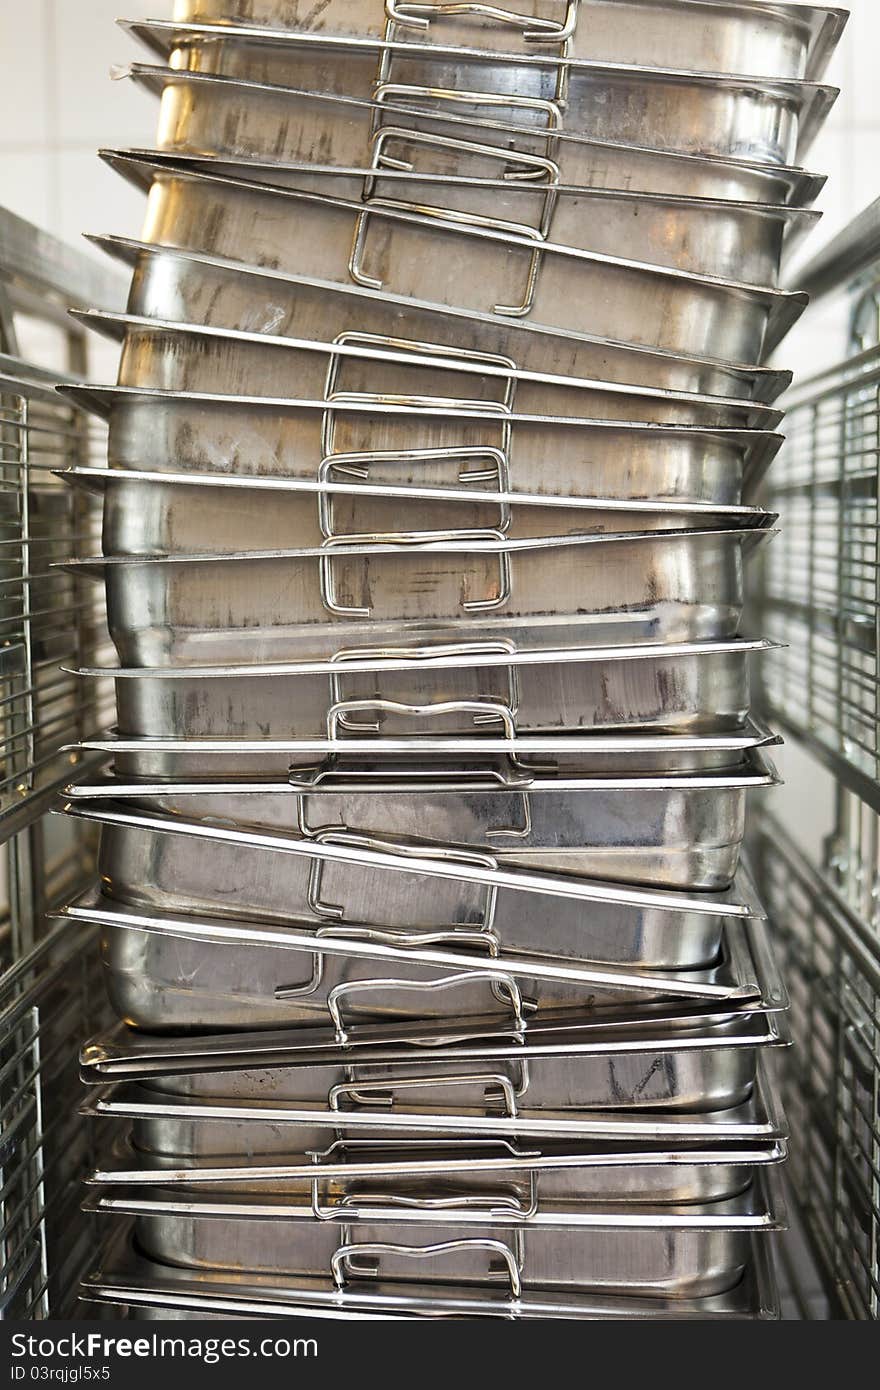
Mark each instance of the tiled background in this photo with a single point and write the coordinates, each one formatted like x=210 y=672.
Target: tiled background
x=58 y=105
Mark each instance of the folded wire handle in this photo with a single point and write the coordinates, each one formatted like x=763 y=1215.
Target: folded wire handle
x=332 y=547
x=354 y=1204
x=344 y=1256
x=534 y=29
x=415 y=655
x=484 y=712
x=512 y=995
x=356 y=465
x=390 y=936
x=380 y=1092
x=320 y=908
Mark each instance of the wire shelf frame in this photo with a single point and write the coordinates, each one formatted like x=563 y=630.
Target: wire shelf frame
x=831 y=1074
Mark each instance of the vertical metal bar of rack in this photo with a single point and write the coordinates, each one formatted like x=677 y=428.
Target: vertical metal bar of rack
x=819 y=593
x=50 y=991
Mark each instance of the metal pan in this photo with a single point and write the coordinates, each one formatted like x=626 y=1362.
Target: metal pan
x=693 y=1251
x=787 y=40
x=352 y=443
x=673 y=937
x=173 y=283
x=493 y=1175
x=648 y=1068
x=241 y=130
x=691 y=688
x=292 y=604
x=170 y=972
x=357 y=760
x=340 y=130
x=766 y=120
x=242 y=1123
x=470 y=267
x=353 y=364
x=148 y=513
x=128 y=1277
x=360 y=449
x=680 y=831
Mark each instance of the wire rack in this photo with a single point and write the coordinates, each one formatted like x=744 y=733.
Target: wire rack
x=831 y=1074
x=819 y=594
x=48 y=619
x=50 y=623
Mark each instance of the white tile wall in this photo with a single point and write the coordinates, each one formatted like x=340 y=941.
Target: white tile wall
x=58 y=104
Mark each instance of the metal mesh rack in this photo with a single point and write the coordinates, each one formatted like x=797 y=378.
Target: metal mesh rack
x=819 y=588
x=50 y=991
x=831 y=1074
x=819 y=593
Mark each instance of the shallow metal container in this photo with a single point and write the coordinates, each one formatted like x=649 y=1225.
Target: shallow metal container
x=352 y=364
x=489 y=462
x=159 y=513
x=454 y=134
x=157 y=1290
x=680 y=830
x=466 y=1098
x=787 y=40
x=492 y=1175
x=291 y=604
x=456 y=915
x=697 y=687
x=683 y=1067
x=170 y=972
x=659 y=1261
x=472 y=268
x=765 y=120
x=176 y=284
x=237 y=131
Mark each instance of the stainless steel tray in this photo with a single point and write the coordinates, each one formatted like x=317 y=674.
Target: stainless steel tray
x=171 y=972
x=487 y=1107
x=127 y=1277
x=692 y=1251
x=493 y=1175
x=766 y=120
x=677 y=936
x=453 y=131
x=686 y=688
x=351 y=364
x=432 y=472
x=524 y=195
x=473 y=268
x=551 y=367
x=678 y=829
x=691 y=1063
x=458 y=133
x=366 y=469
x=785 y=40
x=277 y=605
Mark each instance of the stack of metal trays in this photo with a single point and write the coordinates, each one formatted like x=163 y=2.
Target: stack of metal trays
x=434 y=467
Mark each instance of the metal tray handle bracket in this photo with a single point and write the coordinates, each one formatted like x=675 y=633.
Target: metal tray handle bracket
x=497 y=1085
x=343 y=1261
x=341 y=836
x=494 y=1204
x=533 y=28
x=441 y=355
x=387 y=93
x=413 y=538
x=415 y=655
x=510 y=994
x=491 y=465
